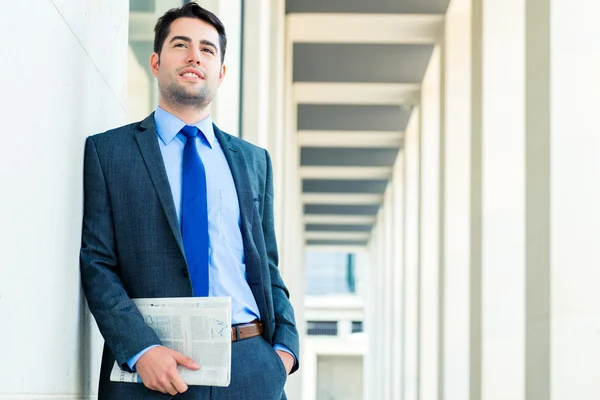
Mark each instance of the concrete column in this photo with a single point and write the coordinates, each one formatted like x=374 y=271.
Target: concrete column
x=290 y=234
x=563 y=221
x=379 y=301
x=538 y=191
x=397 y=278
x=387 y=289
x=381 y=323
x=256 y=67
x=411 y=256
x=50 y=345
x=277 y=106
x=430 y=230
x=372 y=387
x=292 y=254
x=291 y=246
x=368 y=375
x=503 y=198
x=461 y=192
x=549 y=169
x=310 y=363
x=344 y=328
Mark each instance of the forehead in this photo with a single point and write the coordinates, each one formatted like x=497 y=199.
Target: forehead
x=194 y=28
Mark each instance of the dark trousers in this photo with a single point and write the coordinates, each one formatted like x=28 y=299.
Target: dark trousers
x=257 y=373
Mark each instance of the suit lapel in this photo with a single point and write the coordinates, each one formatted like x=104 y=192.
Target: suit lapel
x=147 y=141
x=246 y=198
x=239 y=171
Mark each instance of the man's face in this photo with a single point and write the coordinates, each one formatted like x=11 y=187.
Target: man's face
x=189 y=68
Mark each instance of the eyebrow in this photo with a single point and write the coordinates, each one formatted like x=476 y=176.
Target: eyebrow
x=188 y=40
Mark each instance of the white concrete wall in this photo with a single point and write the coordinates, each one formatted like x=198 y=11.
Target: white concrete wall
x=63 y=79
x=340 y=377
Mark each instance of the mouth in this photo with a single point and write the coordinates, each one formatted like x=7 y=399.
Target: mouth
x=191 y=74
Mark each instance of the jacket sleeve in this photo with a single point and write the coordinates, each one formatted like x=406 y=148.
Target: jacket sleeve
x=119 y=320
x=286 y=332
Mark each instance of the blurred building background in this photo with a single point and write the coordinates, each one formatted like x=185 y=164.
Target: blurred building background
x=436 y=164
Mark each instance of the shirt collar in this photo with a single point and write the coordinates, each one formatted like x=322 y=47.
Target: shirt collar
x=168 y=126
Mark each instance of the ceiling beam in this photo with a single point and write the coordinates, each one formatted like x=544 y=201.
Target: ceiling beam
x=338 y=219
x=365 y=28
x=356 y=93
x=316 y=235
x=361 y=139
x=353 y=173
x=342 y=199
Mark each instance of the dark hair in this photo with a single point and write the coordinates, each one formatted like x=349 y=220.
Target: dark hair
x=189 y=10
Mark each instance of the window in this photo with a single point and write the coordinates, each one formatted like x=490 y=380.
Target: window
x=330 y=273
x=322 y=328
x=357 y=326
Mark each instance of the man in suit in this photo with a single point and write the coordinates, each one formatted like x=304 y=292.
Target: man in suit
x=174 y=207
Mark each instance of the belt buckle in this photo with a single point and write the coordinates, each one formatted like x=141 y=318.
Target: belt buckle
x=237 y=333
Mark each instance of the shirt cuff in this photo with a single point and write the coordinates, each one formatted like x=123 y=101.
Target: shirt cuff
x=131 y=362
x=281 y=347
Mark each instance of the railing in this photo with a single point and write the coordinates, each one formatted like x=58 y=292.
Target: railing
x=321 y=328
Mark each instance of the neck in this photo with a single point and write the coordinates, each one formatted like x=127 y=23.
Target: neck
x=189 y=114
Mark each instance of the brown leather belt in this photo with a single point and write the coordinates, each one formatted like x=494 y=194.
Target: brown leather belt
x=245 y=331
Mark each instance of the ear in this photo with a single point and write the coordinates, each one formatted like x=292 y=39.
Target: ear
x=154 y=64
x=222 y=73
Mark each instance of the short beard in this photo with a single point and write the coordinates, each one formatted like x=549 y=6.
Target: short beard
x=177 y=96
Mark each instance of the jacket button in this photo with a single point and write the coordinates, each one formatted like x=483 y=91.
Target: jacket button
x=185 y=272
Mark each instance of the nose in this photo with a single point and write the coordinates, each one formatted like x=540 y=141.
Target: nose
x=194 y=56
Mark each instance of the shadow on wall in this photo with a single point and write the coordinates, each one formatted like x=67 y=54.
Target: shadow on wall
x=85 y=360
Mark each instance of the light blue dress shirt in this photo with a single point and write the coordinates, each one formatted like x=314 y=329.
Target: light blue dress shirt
x=226 y=265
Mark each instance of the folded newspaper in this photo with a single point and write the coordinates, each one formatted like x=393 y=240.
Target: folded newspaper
x=197 y=327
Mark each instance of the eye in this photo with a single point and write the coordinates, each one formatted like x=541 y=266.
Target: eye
x=179 y=45
x=209 y=50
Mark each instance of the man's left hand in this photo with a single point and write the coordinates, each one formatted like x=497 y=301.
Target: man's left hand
x=288 y=360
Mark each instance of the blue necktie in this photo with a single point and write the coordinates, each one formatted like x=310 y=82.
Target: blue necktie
x=194 y=213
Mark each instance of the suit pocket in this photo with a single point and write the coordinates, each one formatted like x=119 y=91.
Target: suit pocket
x=278 y=361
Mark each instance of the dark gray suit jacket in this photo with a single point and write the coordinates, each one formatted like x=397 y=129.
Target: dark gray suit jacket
x=132 y=246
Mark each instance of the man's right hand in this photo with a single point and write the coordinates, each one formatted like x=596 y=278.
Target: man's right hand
x=158 y=370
